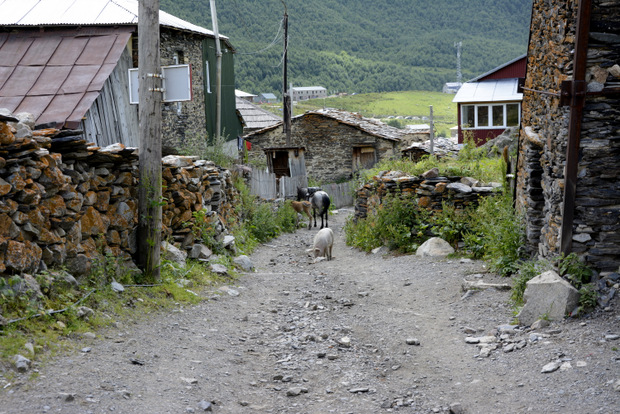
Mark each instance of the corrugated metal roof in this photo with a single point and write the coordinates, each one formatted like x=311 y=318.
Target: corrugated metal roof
x=82 y=13
x=56 y=75
x=498 y=90
x=255 y=117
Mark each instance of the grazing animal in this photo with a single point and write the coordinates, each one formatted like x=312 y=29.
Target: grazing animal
x=323 y=243
x=302 y=207
x=306 y=193
x=320 y=202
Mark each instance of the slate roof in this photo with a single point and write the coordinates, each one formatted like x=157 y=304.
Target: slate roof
x=371 y=126
x=254 y=117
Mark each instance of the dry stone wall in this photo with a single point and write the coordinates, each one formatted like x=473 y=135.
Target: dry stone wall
x=431 y=191
x=65 y=202
x=544 y=135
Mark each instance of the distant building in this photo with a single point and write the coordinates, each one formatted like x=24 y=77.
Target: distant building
x=490 y=103
x=451 y=87
x=308 y=92
x=267 y=98
x=245 y=95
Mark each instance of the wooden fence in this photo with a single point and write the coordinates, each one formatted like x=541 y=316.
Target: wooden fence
x=268 y=187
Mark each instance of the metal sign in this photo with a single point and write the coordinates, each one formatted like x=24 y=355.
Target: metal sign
x=176 y=83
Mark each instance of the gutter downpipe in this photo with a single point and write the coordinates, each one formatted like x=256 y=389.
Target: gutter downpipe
x=577 y=102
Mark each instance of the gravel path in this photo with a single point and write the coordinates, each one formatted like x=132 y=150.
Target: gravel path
x=362 y=333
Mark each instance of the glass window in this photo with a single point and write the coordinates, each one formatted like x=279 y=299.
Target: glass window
x=483 y=116
x=467 y=116
x=512 y=114
x=498 y=115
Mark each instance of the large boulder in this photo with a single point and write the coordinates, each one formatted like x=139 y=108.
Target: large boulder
x=435 y=246
x=549 y=296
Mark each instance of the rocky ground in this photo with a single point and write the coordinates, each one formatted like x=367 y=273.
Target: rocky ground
x=363 y=333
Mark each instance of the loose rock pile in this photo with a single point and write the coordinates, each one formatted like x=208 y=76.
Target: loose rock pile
x=64 y=201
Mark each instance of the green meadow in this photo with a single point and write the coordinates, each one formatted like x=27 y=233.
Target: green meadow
x=396 y=108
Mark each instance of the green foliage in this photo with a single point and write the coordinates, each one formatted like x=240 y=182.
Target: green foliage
x=588 y=298
x=451 y=224
x=501 y=231
x=573 y=269
x=360 y=234
x=418 y=56
x=398 y=224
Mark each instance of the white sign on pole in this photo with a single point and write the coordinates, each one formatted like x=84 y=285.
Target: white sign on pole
x=176 y=83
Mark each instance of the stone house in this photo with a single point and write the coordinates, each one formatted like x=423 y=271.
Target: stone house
x=330 y=145
x=67 y=64
x=569 y=148
x=490 y=103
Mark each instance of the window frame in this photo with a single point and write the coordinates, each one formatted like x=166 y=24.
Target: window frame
x=488 y=107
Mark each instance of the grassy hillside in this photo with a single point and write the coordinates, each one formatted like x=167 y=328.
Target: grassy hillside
x=388 y=106
x=365 y=45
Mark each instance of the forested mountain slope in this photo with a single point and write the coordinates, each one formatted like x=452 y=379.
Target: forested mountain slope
x=365 y=45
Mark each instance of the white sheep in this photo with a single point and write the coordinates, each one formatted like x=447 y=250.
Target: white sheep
x=323 y=243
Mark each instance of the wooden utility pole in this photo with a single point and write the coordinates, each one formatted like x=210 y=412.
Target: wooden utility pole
x=432 y=131
x=218 y=74
x=149 y=100
x=286 y=97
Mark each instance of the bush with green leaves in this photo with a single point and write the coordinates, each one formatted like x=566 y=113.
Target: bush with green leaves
x=573 y=269
x=500 y=232
x=451 y=224
x=397 y=223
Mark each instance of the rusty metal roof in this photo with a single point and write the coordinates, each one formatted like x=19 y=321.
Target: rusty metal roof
x=84 y=13
x=57 y=74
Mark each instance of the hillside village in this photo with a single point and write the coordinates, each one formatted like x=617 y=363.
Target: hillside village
x=71 y=188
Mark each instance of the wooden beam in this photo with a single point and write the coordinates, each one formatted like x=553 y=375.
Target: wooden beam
x=150 y=117
x=577 y=102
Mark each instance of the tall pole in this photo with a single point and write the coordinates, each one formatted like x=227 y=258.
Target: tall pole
x=218 y=74
x=286 y=98
x=432 y=132
x=149 y=97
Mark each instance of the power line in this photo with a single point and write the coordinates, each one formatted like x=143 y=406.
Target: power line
x=275 y=40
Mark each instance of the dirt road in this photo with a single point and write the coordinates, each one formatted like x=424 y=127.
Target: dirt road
x=362 y=333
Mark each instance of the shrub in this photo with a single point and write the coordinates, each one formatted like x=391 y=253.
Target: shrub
x=501 y=231
x=588 y=298
x=573 y=269
x=451 y=224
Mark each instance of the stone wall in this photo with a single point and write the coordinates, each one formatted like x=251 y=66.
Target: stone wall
x=189 y=124
x=64 y=202
x=328 y=146
x=431 y=191
x=544 y=134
